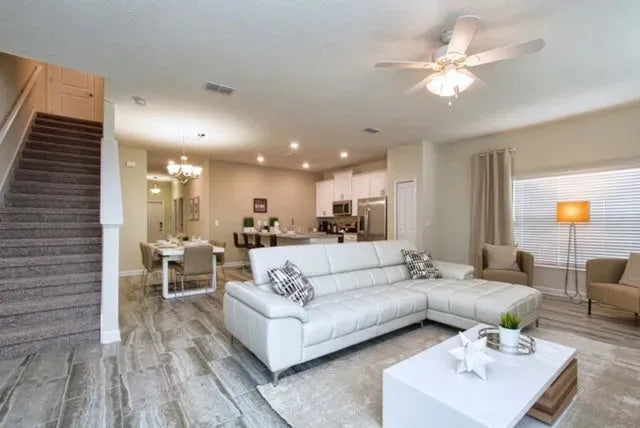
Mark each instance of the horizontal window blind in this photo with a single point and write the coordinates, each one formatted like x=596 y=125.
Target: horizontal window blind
x=614 y=229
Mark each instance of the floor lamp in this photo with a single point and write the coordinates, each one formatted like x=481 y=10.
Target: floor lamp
x=573 y=212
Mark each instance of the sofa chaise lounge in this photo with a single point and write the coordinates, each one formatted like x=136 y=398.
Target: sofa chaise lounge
x=362 y=290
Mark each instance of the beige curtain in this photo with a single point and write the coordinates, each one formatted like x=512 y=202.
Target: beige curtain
x=491 y=202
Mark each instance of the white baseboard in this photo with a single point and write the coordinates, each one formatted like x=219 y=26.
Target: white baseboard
x=110 y=336
x=558 y=292
x=133 y=272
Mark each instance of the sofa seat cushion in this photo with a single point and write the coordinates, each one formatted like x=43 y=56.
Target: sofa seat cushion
x=505 y=275
x=622 y=296
x=477 y=299
x=339 y=314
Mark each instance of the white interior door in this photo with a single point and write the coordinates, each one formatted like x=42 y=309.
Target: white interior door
x=155 y=221
x=406 y=211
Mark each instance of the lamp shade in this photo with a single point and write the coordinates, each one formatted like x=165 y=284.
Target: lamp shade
x=574 y=212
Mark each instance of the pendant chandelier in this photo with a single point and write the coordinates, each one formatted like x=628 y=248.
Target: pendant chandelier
x=184 y=171
x=155 y=189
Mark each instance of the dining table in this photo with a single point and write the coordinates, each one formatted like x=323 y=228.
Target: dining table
x=169 y=252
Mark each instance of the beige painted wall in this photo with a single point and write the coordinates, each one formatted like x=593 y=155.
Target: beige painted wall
x=233 y=186
x=165 y=197
x=598 y=140
x=358 y=169
x=134 y=206
x=14 y=75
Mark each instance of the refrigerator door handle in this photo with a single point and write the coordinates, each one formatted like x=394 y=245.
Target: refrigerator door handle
x=366 y=221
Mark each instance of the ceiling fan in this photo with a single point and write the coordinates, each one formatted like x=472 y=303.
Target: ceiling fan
x=450 y=62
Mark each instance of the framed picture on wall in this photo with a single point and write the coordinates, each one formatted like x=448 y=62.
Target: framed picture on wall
x=191 y=209
x=196 y=208
x=259 y=205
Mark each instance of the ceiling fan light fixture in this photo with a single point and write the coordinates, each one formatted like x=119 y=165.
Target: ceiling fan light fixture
x=449 y=82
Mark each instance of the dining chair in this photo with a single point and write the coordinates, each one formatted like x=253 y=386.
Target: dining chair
x=219 y=256
x=198 y=261
x=151 y=264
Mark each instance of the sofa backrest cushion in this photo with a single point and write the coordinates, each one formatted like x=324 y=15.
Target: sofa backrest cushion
x=336 y=267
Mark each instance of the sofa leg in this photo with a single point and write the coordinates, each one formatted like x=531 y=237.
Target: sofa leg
x=537 y=323
x=422 y=323
x=589 y=307
x=274 y=377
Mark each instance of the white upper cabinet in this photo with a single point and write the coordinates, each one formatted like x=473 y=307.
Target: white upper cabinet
x=377 y=184
x=342 y=186
x=324 y=198
x=359 y=190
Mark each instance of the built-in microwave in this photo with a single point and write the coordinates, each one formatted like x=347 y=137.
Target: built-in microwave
x=342 y=208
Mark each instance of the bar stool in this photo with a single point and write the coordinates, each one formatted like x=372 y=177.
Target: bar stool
x=273 y=240
x=241 y=247
x=257 y=241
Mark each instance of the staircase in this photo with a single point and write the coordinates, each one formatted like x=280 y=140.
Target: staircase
x=50 y=239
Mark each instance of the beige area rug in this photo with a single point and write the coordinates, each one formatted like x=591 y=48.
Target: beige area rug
x=347 y=391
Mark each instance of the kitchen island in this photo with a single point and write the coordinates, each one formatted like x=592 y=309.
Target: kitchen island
x=298 y=238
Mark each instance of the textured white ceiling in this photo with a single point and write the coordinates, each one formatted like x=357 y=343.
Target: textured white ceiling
x=303 y=69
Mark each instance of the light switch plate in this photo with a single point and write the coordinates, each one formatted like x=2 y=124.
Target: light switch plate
x=130 y=164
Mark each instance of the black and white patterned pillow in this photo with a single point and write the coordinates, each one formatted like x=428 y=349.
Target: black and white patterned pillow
x=420 y=265
x=289 y=281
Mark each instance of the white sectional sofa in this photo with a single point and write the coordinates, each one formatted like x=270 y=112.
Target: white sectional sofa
x=362 y=290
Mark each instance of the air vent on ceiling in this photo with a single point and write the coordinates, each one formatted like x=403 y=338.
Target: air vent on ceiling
x=371 y=130
x=221 y=89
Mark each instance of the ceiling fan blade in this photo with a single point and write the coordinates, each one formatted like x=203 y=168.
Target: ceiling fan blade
x=418 y=86
x=463 y=32
x=505 y=52
x=405 y=64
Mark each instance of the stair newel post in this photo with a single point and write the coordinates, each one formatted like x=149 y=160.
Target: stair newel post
x=111 y=218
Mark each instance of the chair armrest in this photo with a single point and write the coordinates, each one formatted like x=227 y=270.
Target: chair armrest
x=526 y=262
x=454 y=270
x=270 y=305
x=605 y=270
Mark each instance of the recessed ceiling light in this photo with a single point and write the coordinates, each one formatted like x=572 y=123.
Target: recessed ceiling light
x=139 y=100
x=305 y=165
x=344 y=155
x=294 y=145
x=260 y=158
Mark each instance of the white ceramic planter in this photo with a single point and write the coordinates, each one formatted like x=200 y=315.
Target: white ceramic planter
x=509 y=338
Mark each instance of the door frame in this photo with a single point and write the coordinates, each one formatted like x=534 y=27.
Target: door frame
x=396 y=205
x=163 y=216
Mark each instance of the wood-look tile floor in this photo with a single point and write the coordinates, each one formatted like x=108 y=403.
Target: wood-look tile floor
x=176 y=367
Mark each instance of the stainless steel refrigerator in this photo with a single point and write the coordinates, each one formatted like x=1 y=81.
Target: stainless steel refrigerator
x=372 y=219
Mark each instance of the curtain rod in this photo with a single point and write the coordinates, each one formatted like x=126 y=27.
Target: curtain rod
x=497 y=151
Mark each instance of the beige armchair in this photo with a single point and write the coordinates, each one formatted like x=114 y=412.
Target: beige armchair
x=525 y=276
x=602 y=285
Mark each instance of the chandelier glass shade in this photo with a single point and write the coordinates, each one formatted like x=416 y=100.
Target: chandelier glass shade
x=155 y=189
x=183 y=171
x=450 y=81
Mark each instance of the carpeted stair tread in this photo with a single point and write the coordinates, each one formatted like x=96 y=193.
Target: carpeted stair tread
x=57 y=123
x=48 y=281
x=23 y=334
x=63 y=139
x=30 y=163
x=67 y=341
x=62 y=148
x=48 y=260
x=58 y=225
x=48 y=304
x=70 y=198
x=57 y=177
x=47 y=242
x=34 y=187
x=37 y=210
x=52 y=116
x=28 y=153
x=43 y=129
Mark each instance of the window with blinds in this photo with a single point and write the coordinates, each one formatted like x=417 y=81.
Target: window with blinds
x=614 y=229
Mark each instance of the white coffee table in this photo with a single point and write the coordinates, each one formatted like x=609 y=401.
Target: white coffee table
x=426 y=391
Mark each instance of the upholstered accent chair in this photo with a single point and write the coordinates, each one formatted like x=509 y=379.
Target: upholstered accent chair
x=525 y=276
x=602 y=285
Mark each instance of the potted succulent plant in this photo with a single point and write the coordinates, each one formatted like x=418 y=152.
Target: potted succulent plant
x=509 y=330
x=247 y=224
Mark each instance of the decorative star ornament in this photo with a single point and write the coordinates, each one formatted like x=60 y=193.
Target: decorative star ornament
x=472 y=356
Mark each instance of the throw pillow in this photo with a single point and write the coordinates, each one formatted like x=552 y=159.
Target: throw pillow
x=290 y=282
x=502 y=257
x=631 y=275
x=420 y=265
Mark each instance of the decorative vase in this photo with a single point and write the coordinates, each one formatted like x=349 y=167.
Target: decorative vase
x=509 y=338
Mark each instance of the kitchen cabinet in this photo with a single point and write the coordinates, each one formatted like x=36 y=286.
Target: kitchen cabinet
x=377 y=184
x=324 y=198
x=359 y=190
x=342 y=186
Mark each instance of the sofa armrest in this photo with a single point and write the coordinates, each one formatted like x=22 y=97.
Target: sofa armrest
x=454 y=270
x=526 y=261
x=268 y=304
